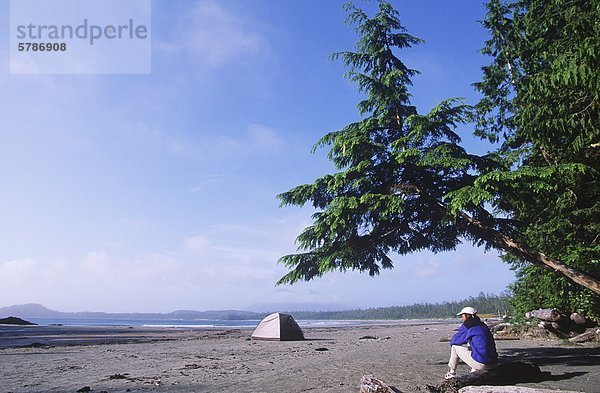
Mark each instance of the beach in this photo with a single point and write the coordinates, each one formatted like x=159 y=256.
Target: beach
x=331 y=359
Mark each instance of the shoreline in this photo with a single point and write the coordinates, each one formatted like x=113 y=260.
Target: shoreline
x=332 y=359
x=20 y=336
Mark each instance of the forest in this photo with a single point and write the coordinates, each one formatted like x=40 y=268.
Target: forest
x=486 y=304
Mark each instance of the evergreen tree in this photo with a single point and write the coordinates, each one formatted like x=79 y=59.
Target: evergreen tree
x=395 y=166
x=541 y=101
x=404 y=183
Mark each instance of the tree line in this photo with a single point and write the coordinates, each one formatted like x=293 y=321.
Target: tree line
x=486 y=304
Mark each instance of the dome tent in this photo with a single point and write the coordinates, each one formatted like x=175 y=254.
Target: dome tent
x=278 y=326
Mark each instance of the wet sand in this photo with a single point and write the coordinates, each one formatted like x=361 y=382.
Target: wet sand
x=63 y=359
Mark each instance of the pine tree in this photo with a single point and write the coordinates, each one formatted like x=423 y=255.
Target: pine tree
x=395 y=165
x=541 y=101
x=404 y=183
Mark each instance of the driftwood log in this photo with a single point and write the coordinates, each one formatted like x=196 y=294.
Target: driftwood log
x=370 y=384
x=560 y=325
x=579 y=319
x=503 y=374
x=592 y=334
x=548 y=315
x=510 y=389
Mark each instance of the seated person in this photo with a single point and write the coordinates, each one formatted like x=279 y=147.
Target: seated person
x=473 y=343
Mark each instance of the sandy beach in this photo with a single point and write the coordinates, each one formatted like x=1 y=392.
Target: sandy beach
x=61 y=359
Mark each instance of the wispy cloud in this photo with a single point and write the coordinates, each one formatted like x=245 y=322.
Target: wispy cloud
x=257 y=138
x=265 y=139
x=215 y=36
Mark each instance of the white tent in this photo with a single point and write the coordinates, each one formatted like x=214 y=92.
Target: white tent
x=278 y=326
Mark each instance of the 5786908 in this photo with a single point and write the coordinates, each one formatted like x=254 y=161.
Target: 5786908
x=42 y=46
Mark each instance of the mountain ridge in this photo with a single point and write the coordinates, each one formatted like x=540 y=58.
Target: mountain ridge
x=34 y=310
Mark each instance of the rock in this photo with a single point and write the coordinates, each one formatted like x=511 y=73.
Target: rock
x=15 y=321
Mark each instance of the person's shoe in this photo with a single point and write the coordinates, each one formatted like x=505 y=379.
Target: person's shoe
x=450 y=375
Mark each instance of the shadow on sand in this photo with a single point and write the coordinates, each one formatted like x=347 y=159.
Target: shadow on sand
x=565 y=356
x=524 y=365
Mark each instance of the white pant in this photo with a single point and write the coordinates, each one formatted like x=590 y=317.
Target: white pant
x=456 y=352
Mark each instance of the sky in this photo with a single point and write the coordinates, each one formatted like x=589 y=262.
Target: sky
x=157 y=192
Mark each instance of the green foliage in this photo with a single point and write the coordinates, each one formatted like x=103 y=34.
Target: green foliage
x=405 y=184
x=541 y=101
x=395 y=166
x=497 y=305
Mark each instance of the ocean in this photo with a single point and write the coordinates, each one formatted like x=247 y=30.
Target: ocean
x=203 y=323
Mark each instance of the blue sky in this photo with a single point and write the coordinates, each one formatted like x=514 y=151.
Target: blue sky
x=152 y=193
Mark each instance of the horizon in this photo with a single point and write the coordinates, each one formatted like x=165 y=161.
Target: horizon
x=268 y=310
x=151 y=192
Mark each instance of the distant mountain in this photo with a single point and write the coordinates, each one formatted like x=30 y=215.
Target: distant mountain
x=39 y=311
x=29 y=311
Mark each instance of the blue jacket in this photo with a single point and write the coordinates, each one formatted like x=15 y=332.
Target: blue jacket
x=476 y=333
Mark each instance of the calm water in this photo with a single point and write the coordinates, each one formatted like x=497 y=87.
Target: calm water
x=205 y=323
x=198 y=323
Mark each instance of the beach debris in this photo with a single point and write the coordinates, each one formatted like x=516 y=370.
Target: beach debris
x=548 y=314
x=370 y=384
x=84 y=389
x=34 y=345
x=369 y=338
x=191 y=366
x=554 y=323
x=118 y=376
x=510 y=389
x=321 y=349
x=503 y=374
x=592 y=334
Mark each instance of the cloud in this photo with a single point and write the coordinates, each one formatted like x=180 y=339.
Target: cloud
x=264 y=139
x=17 y=273
x=216 y=36
x=197 y=245
x=234 y=266
x=256 y=139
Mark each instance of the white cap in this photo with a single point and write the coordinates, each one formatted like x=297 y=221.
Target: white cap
x=467 y=310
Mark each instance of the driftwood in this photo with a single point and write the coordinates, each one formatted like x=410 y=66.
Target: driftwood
x=548 y=315
x=370 y=384
x=510 y=389
x=560 y=325
x=592 y=334
x=579 y=319
x=503 y=374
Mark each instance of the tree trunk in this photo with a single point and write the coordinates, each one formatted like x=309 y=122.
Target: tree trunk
x=501 y=241
x=590 y=335
x=547 y=314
